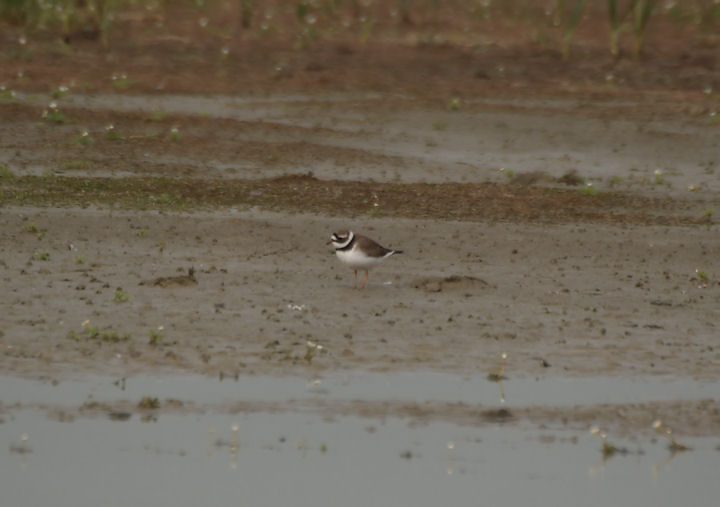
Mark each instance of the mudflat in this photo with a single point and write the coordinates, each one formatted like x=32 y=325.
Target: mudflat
x=183 y=227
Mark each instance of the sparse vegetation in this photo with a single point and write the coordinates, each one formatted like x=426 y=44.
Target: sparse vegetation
x=618 y=13
x=500 y=374
x=440 y=125
x=7 y=95
x=120 y=296
x=149 y=403
x=59 y=92
x=568 y=14
x=111 y=133
x=454 y=104
x=673 y=445
x=702 y=275
x=608 y=449
x=41 y=255
x=76 y=165
x=708 y=215
x=84 y=139
x=453 y=200
x=158 y=114
x=642 y=12
x=658 y=177
x=6 y=173
x=94 y=333
x=306 y=22
x=589 y=189
x=156 y=336
x=120 y=81
x=33 y=228
x=53 y=114
x=616 y=180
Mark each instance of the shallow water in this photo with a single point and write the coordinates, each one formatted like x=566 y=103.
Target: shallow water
x=406 y=386
x=206 y=457
x=292 y=459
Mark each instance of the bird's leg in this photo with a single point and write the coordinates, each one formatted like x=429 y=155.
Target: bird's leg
x=355 y=285
x=362 y=286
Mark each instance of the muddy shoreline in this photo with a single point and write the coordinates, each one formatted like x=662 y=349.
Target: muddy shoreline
x=174 y=220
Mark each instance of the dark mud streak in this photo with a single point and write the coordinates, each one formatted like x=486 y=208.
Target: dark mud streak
x=691 y=418
x=456 y=201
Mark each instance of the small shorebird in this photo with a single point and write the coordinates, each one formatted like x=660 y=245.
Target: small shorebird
x=359 y=252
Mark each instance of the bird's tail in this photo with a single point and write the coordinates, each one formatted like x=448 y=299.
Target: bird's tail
x=397 y=252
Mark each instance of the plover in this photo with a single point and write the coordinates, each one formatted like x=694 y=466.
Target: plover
x=359 y=252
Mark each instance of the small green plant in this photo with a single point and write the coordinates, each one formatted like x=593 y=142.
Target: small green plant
x=642 y=11
x=53 y=114
x=141 y=233
x=156 y=336
x=75 y=165
x=500 y=374
x=616 y=180
x=32 y=228
x=508 y=173
x=84 y=139
x=702 y=275
x=658 y=178
x=440 y=125
x=148 y=403
x=158 y=114
x=568 y=15
x=59 y=92
x=708 y=214
x=121 y=81
x=608 y=449
x=367 y=25
x=164 y=199
x=589 y=189
x=174 y=134
x=6 y=173
x=665 y=430
x=79 y=259
x=454 y=104
x=376 y=210
x=108 y=335
x=120 y=296
x=7 y=95
x=41 y=255
x=617 y=16
x=312 y=349
x=95 y=333
x=111 y=133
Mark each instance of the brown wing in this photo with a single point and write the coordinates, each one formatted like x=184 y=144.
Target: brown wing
x=372 y=248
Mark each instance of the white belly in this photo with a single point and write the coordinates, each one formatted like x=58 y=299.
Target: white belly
x=357 y=259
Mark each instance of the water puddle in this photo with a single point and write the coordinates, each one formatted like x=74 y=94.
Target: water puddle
x=208 y=457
